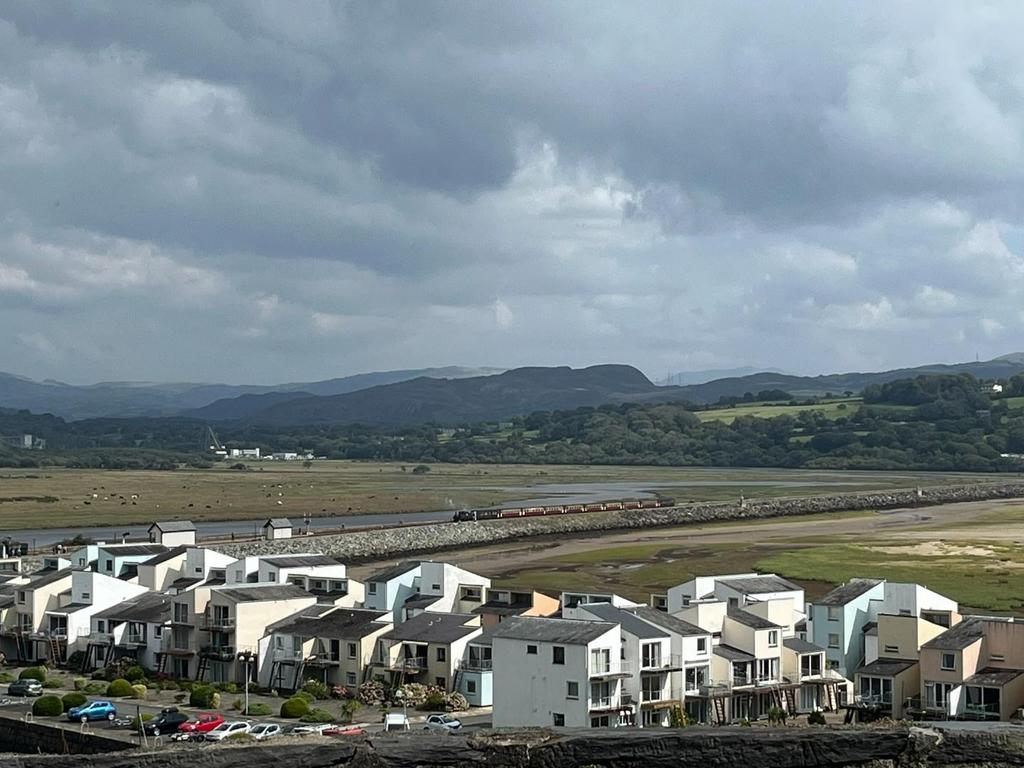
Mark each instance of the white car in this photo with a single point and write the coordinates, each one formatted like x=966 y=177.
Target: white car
x=445 y=723
x=313 y=729
x=262 y=731
x=224 y=730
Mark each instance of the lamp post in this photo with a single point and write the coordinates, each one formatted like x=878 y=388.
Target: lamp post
x=246 y=657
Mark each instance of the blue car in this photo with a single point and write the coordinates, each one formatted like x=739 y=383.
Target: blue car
x=94 y=710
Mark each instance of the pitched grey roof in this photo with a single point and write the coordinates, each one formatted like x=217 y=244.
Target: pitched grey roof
x=299 y=561
x=46 y=577
x=149 y=607
x=730 y=653
x=760 y=585
x=133 y=550
x=421 y=601
x=626 y=620
x=184 y=583
x=257 y=592
x=563 y=631
x=170 y=554
x=994 y=676
x=278 y=522
x=958 y=637
x=345 y=623
x=669 y=622
x=173 y=526
x=434 y=628
x=387 y=574
x=851 y=590
x=801 y=646
x=886 y=667
x=751 y=620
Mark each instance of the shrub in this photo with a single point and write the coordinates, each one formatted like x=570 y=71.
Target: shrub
x=79 y=683
x=75 y=660
x=371 y=692
x=33 y=673
x=6 y=677
x=72 y=700
x=48 y=706
x=119 y=688
x=201 y=696
x=95 y=687
x=139 y=691
x=51 y=683
x=99 y=674
x=167 y=685
x=226 y=687
x=433 y=703
x=136 y=722
x=185 y=685
x=241 y=737
x=317 y=689
x=258 y=709
x=318 y=716
x=309 y=697
x=349 y=709
x=237 y=705
x=135 y=674
x=295 y=707
x=413 y=694
x=816 y=718
x=455 y=702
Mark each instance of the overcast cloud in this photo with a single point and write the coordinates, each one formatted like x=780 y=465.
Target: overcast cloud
x=277 y=191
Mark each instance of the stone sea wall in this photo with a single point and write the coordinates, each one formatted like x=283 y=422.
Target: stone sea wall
x=362 y=546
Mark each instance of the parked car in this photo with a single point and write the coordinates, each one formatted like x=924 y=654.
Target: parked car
x=313 y=729
x=445 y=723
x=204 y=723
x=396 y=721
x=168 y=721
x=27 y=687
x=262 y=731
x=346 y=730
x=93 y=710
x=224 y=730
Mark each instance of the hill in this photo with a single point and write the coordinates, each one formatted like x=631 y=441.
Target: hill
x=130 y=399
x=481 y=398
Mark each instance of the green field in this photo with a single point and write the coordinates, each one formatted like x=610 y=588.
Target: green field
x=55 y=497
x=833 y=409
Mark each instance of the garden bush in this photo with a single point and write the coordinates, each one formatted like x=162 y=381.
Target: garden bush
x=243 y=737
x=226 y=687
x=48 y=706
x=139 y=691
x=146 y=716
x=135 y=674
x=295 y=707
x=72 y=700
x=79 y=683
x=317 y=716
x=316 y=689
x=120 y=687
x=201 y=696
x=371 y=692
x=309 y=697
x=6 y=677
x=413 y=694
x=433 y=703
x=51 y=683
x=348 y=710
x=258 y=709
x=34 y=673
x=75 y=660
x=95 y=687
x=816 y=718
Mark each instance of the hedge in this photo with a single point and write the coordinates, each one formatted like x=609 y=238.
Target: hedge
x=203 y=696
x=48 y=706
x=146 y=716
x=135 y=674
x=258 y=709
x=139 y=691
x=295 y=707
x=318 y=716
x=72 y=700
x=119 y=688
x=34 y=673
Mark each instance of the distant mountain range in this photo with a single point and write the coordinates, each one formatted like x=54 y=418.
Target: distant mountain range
x=452 y=395
x=685 y=378
x=124 y=399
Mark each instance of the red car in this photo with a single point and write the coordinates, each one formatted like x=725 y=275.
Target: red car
x=204 y=723
x=345 y=730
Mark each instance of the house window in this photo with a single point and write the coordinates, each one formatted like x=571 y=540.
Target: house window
x=352 y=650
x=948 y=661
x=997 y=657
x=734 y=602
x=572 y=689
x=833 y=641
x=558 y=719
x=442 y=654
x=239 y=576
x=21 y=596
x=773 y=638
x=436 y=587
x=892 y=649
x=350 y=678
x=936 y=695
x=471 y=686
x=531 y=650
x=557 y=655
x=834 y=613
x=181 y=613
x=372 y=587
x=600 y=661
x=85 y=596
x=441 y=682
x=158 y=631
x=651 y=655
x=600 y=722
x=904 y=611
x=702 y=645
x=101 y=625
x=110 y=565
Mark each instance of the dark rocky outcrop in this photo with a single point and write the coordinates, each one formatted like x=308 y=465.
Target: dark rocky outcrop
x=657 y=748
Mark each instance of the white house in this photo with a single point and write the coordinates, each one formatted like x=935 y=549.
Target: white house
x=390 y=588
x=277 y=528
x=558 y=672
x=428 y=648
x=173 y=532
x=446 y=588
x=736 y=590
x=573 y=600
x=90 y=592
x=132 y=629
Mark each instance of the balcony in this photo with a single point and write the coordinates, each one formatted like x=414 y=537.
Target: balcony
x=287 y=655
x=181 y=648
x=98 y=637
x=604 y=704
x=133 y=640
x=218 y=622
x=477 y=665
x=666 y=663
x=982 y=710
x=218 y=652
x=183 y=620
x=611 y=671
x=874 y=700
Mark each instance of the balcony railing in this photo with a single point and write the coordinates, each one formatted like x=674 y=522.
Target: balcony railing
x=477 y=665
x=666 y=663
x=133 y=638
x=217 y=622
x=874 y=699
x=218 y=652
x=605 y=702
x=287 y=654
x=612 y=669
x=990 y=709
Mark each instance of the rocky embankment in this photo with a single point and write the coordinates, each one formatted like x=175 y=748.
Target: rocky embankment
x=392 y=542
x=653 y=748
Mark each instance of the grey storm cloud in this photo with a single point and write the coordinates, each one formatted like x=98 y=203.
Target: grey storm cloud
x=264 y=191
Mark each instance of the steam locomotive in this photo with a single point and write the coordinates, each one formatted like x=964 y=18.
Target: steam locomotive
x=501 y=513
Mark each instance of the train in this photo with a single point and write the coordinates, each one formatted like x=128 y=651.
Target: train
x=501 y=513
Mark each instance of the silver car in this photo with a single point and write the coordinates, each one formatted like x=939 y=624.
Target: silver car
x=262 y=731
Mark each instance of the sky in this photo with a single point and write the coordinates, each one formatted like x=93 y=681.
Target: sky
x=277 y=191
